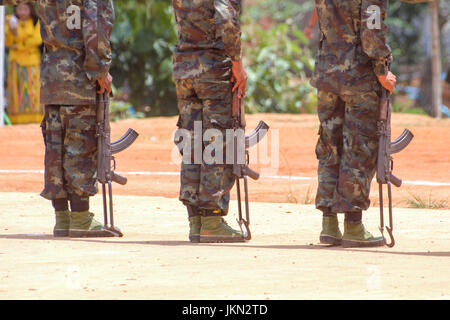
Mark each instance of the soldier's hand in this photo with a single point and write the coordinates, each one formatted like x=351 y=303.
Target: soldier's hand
x=308 y=32
x=105 y=84
x=312 y=22
x=239 y=78
x=388 y=81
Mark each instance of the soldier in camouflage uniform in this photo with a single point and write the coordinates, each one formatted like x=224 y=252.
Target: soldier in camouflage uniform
x=352 y=63
x=77 y=58
x=206 y=60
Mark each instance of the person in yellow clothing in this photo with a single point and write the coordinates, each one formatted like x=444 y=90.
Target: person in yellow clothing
x=23 y=38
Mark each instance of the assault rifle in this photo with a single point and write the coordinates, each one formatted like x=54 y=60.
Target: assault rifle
x=241 y=170
x=106 y=163
x=385 y=162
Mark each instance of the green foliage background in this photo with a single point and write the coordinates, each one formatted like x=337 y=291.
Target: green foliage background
x=277 y=56
x=404 y=34
x=143 y=39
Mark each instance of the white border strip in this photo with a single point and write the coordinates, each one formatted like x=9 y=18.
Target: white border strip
x=293 y=178
x=2 y=63
x=21 y=171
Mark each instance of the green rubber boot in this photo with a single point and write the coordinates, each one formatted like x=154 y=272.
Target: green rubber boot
x=83 y=225
x=355 y=235
x=62 y=224
x=195 y=224
x=330 y=231
x=215 y=229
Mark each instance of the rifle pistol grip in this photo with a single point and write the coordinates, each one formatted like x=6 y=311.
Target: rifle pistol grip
x=396 y=181
x=251 y=173
x=118 y=179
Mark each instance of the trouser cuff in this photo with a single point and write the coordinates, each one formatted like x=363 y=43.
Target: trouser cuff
x=61 y=204
x=79 y=203
x=210 y=213
x=327 y=212
x=192 y=211
x=353 y=217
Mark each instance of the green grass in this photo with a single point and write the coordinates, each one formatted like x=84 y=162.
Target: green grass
x=402 y=104
x=307 y=198
x=421 y=203
x=290 y=198
x=414 y=111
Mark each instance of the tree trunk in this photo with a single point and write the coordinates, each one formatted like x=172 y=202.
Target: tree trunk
x=436 y=60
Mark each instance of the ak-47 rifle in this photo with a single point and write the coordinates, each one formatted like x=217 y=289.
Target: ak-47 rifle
x=241 y=170
x=385 y=162
x=106 y=163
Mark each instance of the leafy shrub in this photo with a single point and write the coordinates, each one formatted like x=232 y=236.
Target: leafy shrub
x=143 y=39
x=276 y=59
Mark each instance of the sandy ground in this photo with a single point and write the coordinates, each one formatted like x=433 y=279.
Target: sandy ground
x=155 y=261
x=283 y=260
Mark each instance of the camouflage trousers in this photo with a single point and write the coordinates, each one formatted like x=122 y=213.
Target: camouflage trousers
x=347 y=150
x=70 y=151
x=205 y=101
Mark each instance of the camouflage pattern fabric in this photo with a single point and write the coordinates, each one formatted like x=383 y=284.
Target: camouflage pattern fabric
x=347 y=150
x=77 y=51
x=70 y=151
x=352 y=51
x=208 y=38
x=207 y=101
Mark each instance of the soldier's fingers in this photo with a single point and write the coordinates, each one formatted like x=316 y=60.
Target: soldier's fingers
x=236 y=85
x=101 y=90
x=242 y=91
x=244 y=88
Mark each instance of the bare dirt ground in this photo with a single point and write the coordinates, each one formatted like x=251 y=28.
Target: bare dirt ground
x=155 y=261
x=288 y=177
x=283 y=260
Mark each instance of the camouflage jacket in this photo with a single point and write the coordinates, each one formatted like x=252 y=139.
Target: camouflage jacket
x=77 y=50
x=352 y=49
x=209 y=38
